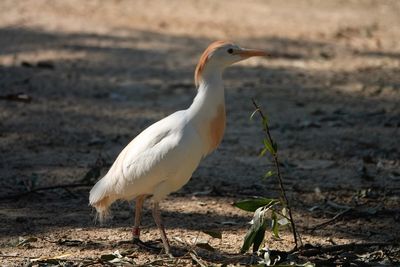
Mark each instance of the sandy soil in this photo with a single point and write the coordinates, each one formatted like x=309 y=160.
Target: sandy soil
x=99 y=72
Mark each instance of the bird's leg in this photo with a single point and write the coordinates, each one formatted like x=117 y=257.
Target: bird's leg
x=136 y=227
x=157 y=219
x=138 y=216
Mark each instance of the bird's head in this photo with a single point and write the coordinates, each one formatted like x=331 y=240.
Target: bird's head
x=221 y=54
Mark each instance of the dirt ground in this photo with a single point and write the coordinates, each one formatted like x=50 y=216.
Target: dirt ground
x=99 y=72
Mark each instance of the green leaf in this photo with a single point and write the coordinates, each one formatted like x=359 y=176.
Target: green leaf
x=262 y=153
x=268 y=174
x=259 y=236
x=275 y=224
x=269 y=146
x=213 y=233
x=265 y=121
x=275 y=146
x=254 y=204
x=248 y=240
x=257 y=222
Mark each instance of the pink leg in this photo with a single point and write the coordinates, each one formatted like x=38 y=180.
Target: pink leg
x=157 y=219
x=138 y=216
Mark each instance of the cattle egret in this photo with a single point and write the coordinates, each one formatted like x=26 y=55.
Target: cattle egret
x=162 y=158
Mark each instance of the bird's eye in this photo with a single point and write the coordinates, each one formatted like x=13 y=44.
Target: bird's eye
x=230 y=50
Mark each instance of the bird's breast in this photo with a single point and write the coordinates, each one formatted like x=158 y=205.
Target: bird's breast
x=216 y=128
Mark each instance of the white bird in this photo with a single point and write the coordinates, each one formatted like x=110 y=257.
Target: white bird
x=162 y=158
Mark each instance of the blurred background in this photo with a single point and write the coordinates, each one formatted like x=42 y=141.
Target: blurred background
x=79 y=79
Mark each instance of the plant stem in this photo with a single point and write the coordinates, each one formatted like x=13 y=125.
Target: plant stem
x=279 y=175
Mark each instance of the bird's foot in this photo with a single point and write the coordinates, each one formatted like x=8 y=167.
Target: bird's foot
x=167 y=250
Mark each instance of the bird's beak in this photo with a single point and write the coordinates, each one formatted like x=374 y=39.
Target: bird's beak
x=246 y=53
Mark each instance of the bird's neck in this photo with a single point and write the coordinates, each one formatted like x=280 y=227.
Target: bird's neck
x=207 y=111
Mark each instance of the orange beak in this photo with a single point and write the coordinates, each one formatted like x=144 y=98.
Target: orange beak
x=246 y=53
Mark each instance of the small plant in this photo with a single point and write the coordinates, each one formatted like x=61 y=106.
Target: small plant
x=268 y=212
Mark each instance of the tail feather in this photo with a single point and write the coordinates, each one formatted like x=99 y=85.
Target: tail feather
x=101 y=199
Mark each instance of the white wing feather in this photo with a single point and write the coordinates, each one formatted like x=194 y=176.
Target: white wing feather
x=153 y=158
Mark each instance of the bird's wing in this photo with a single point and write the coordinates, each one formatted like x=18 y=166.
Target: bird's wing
x=144 y=161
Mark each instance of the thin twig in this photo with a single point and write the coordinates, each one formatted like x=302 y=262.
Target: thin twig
x=44 y=188
x=336 y=217
x=279 y=175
